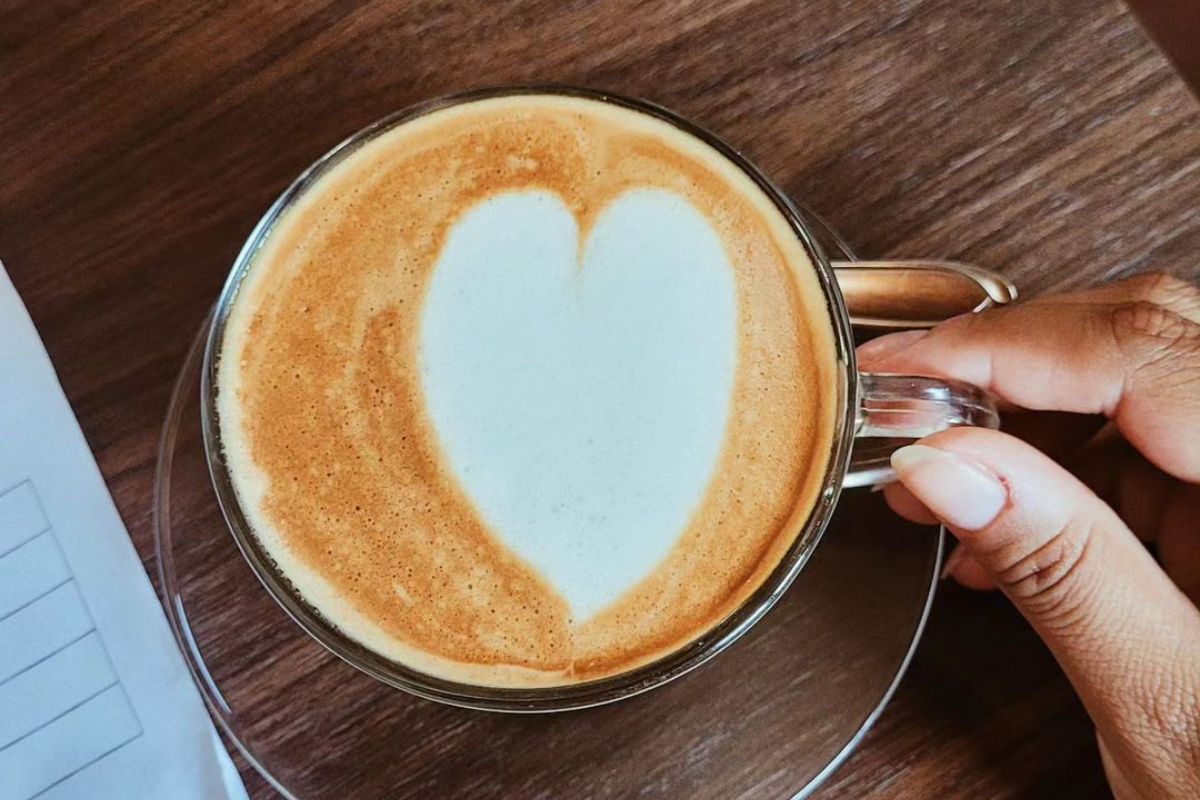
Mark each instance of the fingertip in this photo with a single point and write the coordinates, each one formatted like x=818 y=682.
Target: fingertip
x=968 y=572
x=1027 y=477
x=905 y=503
x=958 y=490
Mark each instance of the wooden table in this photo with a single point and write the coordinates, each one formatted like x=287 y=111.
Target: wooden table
x=1175 y=24
x=140 y=141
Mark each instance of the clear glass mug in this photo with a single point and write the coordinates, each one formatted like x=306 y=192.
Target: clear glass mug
x=884 y=407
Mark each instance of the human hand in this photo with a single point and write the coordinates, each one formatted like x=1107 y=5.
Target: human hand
x=1120 y=623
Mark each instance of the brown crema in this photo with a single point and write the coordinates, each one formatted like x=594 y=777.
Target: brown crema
x=332 y=452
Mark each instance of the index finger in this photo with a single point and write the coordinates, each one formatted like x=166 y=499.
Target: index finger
x=1111 y=351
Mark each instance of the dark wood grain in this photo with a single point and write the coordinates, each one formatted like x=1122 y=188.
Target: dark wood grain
x=1175 y=25
x=140 y=141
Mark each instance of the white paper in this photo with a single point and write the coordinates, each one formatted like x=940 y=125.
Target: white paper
x=95 y=700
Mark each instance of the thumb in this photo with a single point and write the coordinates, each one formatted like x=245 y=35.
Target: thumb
x=1127 y=638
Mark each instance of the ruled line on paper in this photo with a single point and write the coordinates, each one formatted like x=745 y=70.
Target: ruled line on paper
x=33 y=600
x=84 y=766
x=62 y=705
x=77 y=612
x=57 y=716
x=21 y=516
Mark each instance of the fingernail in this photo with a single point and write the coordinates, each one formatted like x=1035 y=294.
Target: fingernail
x=892 y=342
x=957 y=490
x=952 y=561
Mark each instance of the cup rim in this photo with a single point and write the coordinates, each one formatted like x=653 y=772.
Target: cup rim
x=585 y=694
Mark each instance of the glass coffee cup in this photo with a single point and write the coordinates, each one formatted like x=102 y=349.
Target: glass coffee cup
x=870 y=407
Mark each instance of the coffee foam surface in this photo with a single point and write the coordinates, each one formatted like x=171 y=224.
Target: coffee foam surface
x=582 y=291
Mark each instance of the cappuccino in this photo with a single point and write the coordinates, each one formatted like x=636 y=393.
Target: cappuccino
x=528 y=391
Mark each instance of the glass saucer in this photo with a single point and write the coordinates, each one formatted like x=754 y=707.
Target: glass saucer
x=769 y=718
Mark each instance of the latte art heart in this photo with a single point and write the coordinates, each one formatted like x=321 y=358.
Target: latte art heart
x=581 y=390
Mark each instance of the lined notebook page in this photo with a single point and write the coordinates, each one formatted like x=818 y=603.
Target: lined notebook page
x=95 y=701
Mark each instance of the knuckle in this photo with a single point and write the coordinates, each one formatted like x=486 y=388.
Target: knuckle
x=1172 y=714
x=1047 y=580
x=1165 y=713
x=1142 y=322
x=1160 y=288
x=1161 y=351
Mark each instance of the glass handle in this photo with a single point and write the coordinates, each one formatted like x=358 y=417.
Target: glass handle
x=895 y=409
x=917 y=294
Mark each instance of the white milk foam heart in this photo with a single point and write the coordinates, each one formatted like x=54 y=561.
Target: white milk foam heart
x=581 y=394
